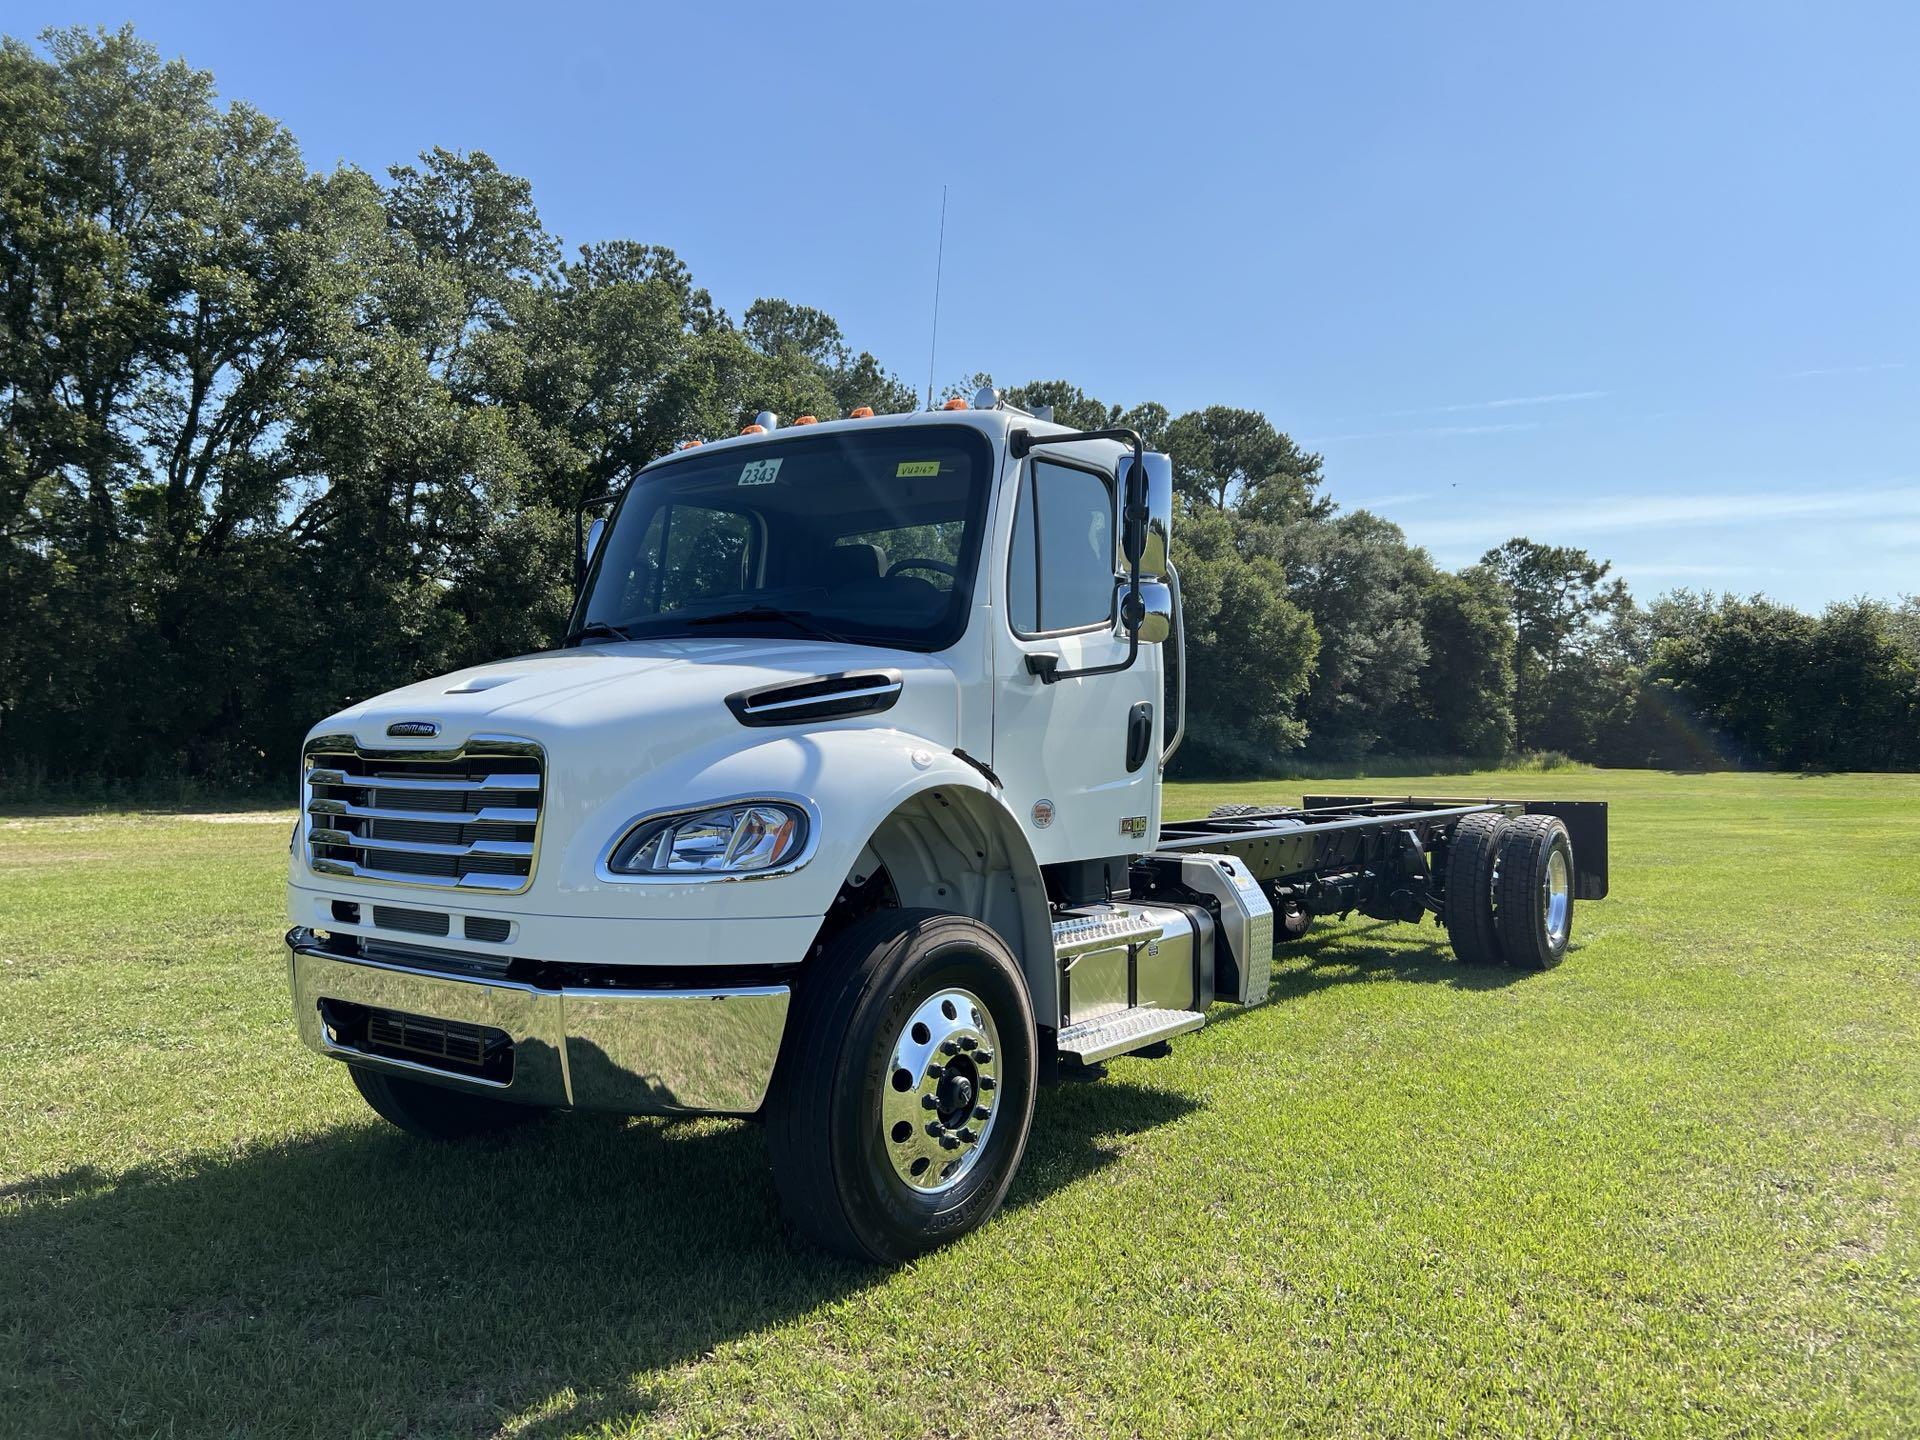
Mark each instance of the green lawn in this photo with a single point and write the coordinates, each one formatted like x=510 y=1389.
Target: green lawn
x=1671 y=1187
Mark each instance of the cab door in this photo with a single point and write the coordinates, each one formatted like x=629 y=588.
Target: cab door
x=1079 y=758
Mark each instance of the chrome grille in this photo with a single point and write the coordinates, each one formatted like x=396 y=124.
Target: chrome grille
x=466 y=819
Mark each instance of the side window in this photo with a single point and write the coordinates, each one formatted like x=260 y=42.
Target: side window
x=689 y=553
x=1060 y=574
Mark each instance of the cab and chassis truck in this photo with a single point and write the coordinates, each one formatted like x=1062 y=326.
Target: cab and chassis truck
x=839 y=807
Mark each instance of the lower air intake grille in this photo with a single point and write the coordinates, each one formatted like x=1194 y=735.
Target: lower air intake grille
x=483 y=927
x=438 y=1039
x=452 y=1045
x=420 y=922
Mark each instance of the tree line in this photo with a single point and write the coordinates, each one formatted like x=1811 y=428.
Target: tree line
x=274 y=440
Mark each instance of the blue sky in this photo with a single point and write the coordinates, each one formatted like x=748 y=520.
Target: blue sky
x=1642 y=279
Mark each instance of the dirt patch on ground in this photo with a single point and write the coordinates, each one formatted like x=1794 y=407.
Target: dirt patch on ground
x=149 y=817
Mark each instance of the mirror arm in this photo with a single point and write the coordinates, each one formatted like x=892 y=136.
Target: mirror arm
x=1179 y=667
x=1020 y=444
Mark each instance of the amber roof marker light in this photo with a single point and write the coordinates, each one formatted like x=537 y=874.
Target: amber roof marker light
x=806 y=420
x=860 y=412
x=958 y=402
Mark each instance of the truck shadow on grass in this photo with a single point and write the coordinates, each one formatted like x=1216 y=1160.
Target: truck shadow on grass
x=361 y=1282
x=1381 y=950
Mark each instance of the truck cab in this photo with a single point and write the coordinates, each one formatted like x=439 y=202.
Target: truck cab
x=838 y=805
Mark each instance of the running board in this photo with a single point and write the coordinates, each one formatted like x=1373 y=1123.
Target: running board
x=1092 y=1041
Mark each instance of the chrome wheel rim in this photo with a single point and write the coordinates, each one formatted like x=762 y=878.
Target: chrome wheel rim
x=1556 y=897
x=940 y=1095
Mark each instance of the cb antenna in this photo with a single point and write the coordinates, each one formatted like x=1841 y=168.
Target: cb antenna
x=940 y=257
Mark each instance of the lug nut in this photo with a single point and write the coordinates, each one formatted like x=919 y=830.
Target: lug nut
x=936 y=1129
x=967 y=1042
x=987 y=1082
x=981 y=1112
x=947 y=1142
x=950 y=1047
x=928 y=1102
x=985 y=1057
x=969 y=1135
x=934 y=1072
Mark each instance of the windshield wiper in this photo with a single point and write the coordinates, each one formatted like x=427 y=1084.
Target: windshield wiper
x=594 y=629
x=800 y=620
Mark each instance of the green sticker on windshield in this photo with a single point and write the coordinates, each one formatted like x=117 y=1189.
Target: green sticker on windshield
x=909 y=468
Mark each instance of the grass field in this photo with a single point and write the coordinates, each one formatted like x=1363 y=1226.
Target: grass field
x=1672 y=1187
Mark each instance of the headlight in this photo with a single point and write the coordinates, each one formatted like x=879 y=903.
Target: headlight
x=737 y=839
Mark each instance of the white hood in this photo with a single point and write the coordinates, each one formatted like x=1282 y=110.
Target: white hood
x=658 y=699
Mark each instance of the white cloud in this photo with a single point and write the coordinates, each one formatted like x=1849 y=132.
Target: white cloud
x=1381 y=502
x=1687 y=569
x=1559 y=397
x=1604 y=516
x=1425 y=432
x=1850 y=369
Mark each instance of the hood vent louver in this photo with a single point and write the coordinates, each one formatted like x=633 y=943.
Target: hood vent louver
x=824 y=697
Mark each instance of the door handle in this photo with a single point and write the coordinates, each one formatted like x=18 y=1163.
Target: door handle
x=1139 y=735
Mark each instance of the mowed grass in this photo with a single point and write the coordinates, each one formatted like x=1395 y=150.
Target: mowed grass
x=1672 y=1187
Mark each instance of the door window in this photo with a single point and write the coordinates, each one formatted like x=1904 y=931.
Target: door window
x=1060 y=575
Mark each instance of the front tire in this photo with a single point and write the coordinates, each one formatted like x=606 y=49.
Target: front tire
x=432 y=1112
x=902 y=1103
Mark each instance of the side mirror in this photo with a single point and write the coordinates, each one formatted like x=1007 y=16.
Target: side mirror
x=586 y=537
x=1156 y=554
x=1152 y=617
x=1147 y=515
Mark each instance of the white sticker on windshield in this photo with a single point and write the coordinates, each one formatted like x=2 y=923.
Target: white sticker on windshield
x=760 y=472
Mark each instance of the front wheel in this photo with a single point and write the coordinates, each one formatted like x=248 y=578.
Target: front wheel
x=901 y=1106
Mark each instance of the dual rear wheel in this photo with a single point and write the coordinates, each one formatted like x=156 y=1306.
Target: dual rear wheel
x=1509 y=891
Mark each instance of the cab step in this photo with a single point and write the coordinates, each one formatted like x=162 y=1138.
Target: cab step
x=1092 y=1041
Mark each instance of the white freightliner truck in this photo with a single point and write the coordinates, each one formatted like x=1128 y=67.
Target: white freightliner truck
x=839 y=806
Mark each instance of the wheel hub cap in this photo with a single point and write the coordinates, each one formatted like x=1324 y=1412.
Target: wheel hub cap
x=1555 y=897
x=939 y=1100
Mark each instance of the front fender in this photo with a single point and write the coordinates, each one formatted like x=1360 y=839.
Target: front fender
x=854 y=779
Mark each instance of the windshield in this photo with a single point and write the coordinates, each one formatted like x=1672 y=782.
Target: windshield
x=867 y=537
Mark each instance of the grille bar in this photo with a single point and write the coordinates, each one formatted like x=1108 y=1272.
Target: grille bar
x=474 y=880
x=493 y=814
x=320 y=776
x=426 y=817
x=521 y=849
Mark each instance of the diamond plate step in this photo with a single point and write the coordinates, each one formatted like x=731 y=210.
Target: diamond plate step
x=1094 y=1040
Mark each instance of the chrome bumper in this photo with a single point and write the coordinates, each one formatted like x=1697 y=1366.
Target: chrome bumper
x=637 y=1052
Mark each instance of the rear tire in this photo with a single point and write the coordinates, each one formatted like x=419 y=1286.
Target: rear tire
x=432 y=1112
x=1535 y=900
x=857 y=1166
x=1473 y=851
